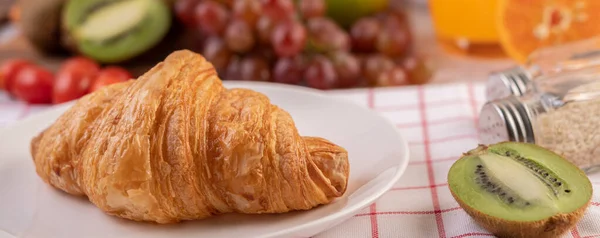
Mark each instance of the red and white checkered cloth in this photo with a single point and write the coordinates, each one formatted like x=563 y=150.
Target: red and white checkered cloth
x=440 y=123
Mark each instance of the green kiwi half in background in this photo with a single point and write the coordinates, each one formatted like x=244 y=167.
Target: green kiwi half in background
x=112 y=31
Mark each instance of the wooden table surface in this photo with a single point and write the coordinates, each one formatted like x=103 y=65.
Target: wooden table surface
x=450 y=63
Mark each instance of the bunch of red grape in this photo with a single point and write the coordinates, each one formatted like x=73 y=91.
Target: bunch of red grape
x=293 y=42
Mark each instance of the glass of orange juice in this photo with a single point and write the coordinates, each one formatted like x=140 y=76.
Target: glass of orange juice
x=465 y=23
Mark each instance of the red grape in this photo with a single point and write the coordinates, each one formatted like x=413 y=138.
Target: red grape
x=374 y=65
x=211 y=17
x=320 y=24
x=381 y=16
x=347 y=68
x=264 y=28
x=364 y=33
x=289 y=70
x=326 y=36
x=248 y=10
x=216 y=52
x=392 y=77
x=239 y=37
x=417 y=70
x=234 y=68
x=184 y=10
x=278 y=9
x=266 y=52
x=254 y=68
x=394 y=38
x=397 y=11
x=288 y=38
x=312 y=8
x=226 y=3
x=340 y=40
x=320 y=73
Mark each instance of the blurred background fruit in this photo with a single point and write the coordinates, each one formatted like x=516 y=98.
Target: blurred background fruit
x=33 y=84
x=115 y=31
x=470 y=20
x=9 y=70
x=110 y=75
x=301 y=42
x=512 y=28
x=40 y=23
x=74 y=79
x=546 y=24
x=314 y=43
x=77 y=76
x=324 y=44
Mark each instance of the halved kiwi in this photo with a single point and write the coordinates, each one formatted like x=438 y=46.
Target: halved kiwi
x=520 y=190
x=112 y=31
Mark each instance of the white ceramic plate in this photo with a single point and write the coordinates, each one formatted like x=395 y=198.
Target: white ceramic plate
x=377 y=152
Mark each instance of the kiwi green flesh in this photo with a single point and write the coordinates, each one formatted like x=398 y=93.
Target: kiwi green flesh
x=512 y=189
x=112 y=20
x=115 y=31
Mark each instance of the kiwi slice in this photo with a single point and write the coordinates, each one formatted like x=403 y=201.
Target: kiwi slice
x=517 y=189
x=111 y=31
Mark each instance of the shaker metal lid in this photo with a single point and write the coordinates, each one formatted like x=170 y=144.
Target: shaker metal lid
x=512 y=81
x=505 y=120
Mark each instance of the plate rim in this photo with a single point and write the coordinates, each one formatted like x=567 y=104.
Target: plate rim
x=341 y=215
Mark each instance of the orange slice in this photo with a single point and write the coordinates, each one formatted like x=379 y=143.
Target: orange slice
x=527 y=25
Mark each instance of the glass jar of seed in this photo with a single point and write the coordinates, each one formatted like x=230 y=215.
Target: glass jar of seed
x=560 y=113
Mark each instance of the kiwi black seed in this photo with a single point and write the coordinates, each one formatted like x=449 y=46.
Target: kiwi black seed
x=533 y=167
x=520 y=190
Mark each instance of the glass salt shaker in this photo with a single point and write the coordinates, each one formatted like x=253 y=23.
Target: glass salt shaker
x=561 y=112
x=545 y=61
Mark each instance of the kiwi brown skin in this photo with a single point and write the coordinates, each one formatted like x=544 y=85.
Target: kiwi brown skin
x=40 y=24
x=550 y=227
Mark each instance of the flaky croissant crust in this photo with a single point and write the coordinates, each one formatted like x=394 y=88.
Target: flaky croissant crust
x=176 y=145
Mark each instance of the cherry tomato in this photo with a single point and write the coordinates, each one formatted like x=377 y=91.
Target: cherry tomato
x=80 y=62
x=9 y=70
x=33 y=84
x=110 y=75
x=74 y=79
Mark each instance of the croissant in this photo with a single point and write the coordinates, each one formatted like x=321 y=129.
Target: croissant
x=176 y=145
